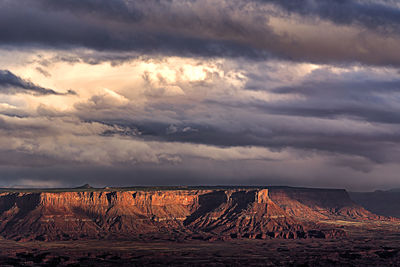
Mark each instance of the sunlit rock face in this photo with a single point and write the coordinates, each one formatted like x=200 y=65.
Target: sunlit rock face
x=177 y=214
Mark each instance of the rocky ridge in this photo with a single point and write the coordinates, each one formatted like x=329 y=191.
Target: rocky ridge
x=172 y=214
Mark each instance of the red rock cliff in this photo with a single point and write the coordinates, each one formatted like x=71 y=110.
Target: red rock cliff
x=234 y=213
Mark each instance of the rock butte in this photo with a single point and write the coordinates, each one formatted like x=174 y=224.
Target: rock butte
x=279 y=212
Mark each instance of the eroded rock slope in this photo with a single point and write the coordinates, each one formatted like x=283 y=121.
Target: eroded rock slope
x=320 y=204
x=174 y=214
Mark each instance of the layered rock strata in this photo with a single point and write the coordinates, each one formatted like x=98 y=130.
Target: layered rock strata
x=174 y=214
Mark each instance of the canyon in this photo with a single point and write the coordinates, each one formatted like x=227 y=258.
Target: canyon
x=177 y=214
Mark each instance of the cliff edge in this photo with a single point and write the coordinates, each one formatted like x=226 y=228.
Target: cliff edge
x=174 y=214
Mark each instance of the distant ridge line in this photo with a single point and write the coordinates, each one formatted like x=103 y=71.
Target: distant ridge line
x=88 y=187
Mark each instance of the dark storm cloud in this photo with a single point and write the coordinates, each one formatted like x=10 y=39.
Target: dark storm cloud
x=15 y=158
x=276 y=132
x=200 y=28
x=369 y=100
x=10 y=83
x=70 y=176
x=93 y=24
x=374 y=147
x=372 y=15
x=361 y=95
x=115 y=9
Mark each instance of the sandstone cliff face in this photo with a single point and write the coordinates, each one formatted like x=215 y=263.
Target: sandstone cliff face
x=206 y=214
x=243 y=213
x=92 y=214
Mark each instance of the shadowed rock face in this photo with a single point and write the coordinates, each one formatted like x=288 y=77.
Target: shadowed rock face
x=205 y=214
x=385 y=203
x=320 y=204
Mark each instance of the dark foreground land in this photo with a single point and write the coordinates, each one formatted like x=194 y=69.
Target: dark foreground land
x=202 y=226
x=367 y=244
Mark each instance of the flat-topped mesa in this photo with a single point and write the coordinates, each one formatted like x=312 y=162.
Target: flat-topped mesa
x=127 y=202
x=218 y=213
x=68 y=215
x=119 y=198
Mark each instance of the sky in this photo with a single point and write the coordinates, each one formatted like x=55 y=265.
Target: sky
x=200 y=92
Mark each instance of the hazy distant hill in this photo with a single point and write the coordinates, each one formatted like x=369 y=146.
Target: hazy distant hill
x=386 y=203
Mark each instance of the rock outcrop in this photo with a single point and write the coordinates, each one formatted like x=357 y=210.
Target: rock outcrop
x=174 y=214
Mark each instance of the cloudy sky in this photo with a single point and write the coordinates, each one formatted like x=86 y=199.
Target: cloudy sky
x=190 y=92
